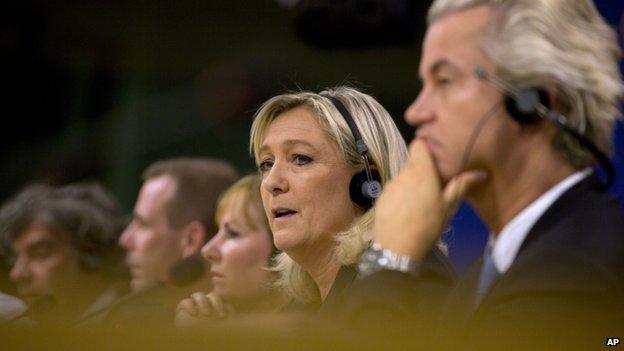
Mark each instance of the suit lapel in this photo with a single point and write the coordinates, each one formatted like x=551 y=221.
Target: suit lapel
x=544 y=225
x=558 y=210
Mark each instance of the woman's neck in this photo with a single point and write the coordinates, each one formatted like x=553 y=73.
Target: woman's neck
x=323 y=271
x=320 y=263
x=325 y=278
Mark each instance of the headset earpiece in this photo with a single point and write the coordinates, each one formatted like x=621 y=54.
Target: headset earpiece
x=363 y=191
x=523 y=108
x=365 y=186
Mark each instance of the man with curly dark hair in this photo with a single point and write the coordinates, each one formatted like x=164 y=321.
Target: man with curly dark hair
x=62 y=245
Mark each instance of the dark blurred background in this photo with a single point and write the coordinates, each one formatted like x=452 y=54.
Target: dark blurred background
x=99 y=89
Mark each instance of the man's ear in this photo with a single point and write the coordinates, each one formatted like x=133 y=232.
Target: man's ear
x=193 y=238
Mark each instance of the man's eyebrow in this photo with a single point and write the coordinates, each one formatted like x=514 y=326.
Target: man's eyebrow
x=40 y=243
x=438 y=66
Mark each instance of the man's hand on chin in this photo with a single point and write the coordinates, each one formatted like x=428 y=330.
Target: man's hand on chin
x=414 y=206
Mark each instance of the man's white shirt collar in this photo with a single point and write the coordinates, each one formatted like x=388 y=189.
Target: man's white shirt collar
x=506 y=246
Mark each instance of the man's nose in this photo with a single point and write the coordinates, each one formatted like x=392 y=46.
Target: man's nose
x=20 y=270
x=420 y=111
x=126 y=238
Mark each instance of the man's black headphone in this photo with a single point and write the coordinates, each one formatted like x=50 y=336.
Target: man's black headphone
x=365 y=186
x=531 y=105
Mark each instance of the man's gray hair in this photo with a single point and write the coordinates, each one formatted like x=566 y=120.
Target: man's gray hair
x=561 y=46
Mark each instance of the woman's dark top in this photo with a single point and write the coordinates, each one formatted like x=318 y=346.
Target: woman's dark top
x=390 y=302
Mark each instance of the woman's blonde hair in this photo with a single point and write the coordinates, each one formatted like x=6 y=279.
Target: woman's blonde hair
x=387 y=153
x=563 y=44
x=244 y=195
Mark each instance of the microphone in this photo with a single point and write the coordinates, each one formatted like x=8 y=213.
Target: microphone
x=527 y=101
x=43 y=304
x=185 y=272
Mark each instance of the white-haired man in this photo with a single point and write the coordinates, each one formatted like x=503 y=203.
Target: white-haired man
x=554 y=264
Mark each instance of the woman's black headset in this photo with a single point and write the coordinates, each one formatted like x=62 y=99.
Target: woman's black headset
x=365 y=186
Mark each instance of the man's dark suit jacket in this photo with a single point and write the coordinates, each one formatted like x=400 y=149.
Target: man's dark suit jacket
x=564 y=290
x=153 y=307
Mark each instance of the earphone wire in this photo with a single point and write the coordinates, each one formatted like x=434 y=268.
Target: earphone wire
x=469 y=146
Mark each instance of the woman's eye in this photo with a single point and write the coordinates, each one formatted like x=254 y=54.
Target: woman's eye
x=232 y=233
x=301 y=160
x=265 y=165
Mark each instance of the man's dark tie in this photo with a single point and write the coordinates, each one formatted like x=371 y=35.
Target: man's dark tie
x=488 y=276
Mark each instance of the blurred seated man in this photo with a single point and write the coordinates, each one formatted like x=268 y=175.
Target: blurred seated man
x=62 y=242
x=173 y=218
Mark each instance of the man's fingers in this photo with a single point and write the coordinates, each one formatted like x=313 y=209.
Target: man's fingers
x=458 y=187
x=415 y=146
x=419 y=154
x=420 y=166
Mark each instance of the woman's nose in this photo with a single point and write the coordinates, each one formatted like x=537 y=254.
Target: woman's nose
x=210 y=251
x=274 y=180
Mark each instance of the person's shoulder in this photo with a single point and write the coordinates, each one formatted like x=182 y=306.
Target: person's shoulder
x=155 y=305
x=591 y=221
x=585 y=218
x=577 y=247
x=589 y=201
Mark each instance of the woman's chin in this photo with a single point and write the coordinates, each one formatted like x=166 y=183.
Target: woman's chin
x=285 y=243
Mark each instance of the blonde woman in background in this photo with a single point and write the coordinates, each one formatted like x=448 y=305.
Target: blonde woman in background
x=239 y=256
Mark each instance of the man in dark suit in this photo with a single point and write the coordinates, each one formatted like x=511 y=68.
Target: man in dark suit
x=552 y=275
